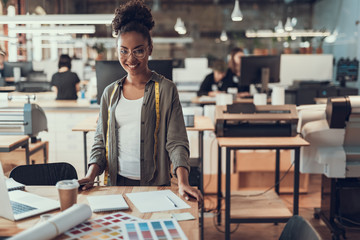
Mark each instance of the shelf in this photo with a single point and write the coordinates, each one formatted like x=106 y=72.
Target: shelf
x=268 y=205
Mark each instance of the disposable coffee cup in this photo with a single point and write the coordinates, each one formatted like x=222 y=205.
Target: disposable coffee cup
x=260 y=99
x=68 y=190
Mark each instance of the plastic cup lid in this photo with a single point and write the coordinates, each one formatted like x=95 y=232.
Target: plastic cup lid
x=67 y=184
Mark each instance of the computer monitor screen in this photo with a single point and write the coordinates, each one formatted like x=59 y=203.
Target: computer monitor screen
x=257 y=69
x=25 y=68
x=347 y=71
x=110 y=71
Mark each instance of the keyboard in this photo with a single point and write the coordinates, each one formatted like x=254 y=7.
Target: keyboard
x=20 y=208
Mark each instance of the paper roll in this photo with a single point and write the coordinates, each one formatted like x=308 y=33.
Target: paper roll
x=355 y=104
x=57 y=224
x=224 y=99
x=260 y=99
x=278 y=96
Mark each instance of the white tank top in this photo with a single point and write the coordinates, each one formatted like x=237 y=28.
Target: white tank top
x=128 y=124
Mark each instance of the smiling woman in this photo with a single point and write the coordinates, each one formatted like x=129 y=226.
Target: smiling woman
x=141 y=130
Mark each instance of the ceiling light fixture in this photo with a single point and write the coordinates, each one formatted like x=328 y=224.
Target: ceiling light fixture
x=288 y=25
x=279 y=28
x=223 y=36
x=236 y=14
x=180 y=26
x=293 y=34
x=88 y=29
x=58 y=19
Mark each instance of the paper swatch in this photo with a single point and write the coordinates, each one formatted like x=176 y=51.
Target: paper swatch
x=105 y=227
x=153 y=229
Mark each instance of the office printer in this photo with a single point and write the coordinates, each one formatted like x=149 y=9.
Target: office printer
x=333 y=132
x=334 y=137
x=27 y=121
x=248 y=120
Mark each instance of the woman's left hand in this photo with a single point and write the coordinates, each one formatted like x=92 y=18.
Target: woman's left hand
x=185 y=190
x=188 y=192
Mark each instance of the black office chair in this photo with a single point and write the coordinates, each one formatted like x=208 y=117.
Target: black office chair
x=298 y=228
x=43 y=174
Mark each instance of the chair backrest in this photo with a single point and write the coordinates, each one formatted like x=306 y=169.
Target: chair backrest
x=298 y=228
x=43 y=174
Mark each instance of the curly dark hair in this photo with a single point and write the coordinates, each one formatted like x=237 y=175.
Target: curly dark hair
x=133 y=16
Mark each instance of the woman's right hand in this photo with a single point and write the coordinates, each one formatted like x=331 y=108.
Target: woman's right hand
x=88 y=181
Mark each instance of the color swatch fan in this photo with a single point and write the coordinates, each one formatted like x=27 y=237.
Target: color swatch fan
x=106 y=227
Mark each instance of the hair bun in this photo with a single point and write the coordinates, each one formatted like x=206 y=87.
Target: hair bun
x=133 y=11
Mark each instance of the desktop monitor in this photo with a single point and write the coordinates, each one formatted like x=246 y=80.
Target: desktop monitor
x=260 y=70
x=347 y=71
x=25 y=68
x=110 y=71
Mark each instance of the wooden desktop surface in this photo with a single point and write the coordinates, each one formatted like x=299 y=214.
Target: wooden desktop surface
x=201 y=123
x=190 y=228
x=7 y=89
x=8 y=141
x=87 y=125
x=262 y=142
x=212 y=100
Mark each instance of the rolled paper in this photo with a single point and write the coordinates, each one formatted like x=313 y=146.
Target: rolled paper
x=57 y=224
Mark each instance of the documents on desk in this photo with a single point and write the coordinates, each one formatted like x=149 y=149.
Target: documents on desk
x=156 y=201
x=334 y=139
x=248 y=120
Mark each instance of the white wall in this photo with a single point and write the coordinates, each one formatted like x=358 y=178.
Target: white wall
x=340 y=16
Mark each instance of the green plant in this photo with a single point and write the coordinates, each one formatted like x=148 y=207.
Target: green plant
x=99 y=48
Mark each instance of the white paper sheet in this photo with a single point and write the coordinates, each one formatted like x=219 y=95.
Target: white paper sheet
x=57 y=224
x=156 y=201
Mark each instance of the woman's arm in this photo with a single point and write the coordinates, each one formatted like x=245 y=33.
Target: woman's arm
x=185 y=189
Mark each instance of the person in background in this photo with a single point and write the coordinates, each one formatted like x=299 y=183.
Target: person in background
x=216 y=82
x=234 y=71
x=2 y=60
x=66 y=83
x=141 y=130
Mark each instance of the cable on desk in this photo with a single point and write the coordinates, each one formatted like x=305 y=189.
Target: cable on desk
x=220 y=230
x=273 y=186
x=212 y=204
x=340 y=220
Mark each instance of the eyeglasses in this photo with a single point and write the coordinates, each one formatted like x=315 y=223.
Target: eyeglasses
x=138 y=53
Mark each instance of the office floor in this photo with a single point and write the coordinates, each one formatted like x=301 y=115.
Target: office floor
x=270 y=231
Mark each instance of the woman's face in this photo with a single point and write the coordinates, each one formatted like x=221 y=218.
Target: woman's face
x=237 y=58
x=133 y=52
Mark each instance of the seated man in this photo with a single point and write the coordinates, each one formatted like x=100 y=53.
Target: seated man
x=216 y=81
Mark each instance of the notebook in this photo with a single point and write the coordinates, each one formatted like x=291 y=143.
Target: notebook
x=16 y=205
x=12 y=185
x=105 y=203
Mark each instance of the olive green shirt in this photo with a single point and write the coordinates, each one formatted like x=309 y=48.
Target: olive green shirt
x=172 y=147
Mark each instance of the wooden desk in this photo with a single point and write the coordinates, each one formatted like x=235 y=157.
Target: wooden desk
x=11 y=142
x=9 y=228
x=7 y=89
x=276 y=143
x=212 y=101
x=201 y=124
